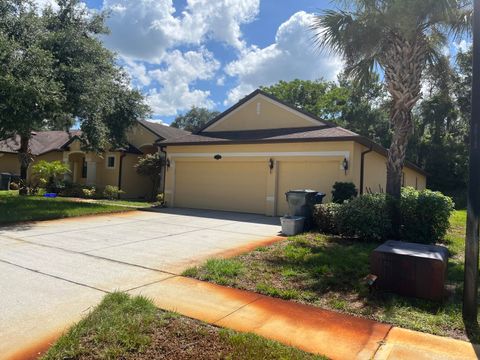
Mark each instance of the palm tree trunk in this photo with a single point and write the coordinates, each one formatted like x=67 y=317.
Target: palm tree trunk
x=25 y=160
x=403 y=64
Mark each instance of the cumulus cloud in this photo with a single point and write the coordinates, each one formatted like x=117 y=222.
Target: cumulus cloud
x=175 y=79
x=146 y=29
x=291 y=56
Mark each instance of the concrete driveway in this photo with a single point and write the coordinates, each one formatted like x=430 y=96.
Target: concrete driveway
x=53 y=272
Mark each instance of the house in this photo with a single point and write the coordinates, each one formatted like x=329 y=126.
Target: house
x=250 y=155
x=114 y=167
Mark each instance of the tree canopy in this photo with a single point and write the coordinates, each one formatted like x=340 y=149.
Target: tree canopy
x=194 y=119
x=55 y=72
x=400 y=37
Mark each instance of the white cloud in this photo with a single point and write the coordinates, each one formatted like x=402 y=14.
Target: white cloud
x=146 y=29
x=291 y=56
x=179 y=71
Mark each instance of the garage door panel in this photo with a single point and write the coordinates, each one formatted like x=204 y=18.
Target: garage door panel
x=315 y=175
x=221 y=185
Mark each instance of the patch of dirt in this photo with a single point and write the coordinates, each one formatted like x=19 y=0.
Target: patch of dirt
x=182 y=338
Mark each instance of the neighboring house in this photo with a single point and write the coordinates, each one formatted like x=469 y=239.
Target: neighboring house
x=114 y=167
x=250 y=155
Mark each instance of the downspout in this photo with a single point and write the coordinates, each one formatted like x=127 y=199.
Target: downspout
x=120 y=170
x=362 y=168
x=162 y=150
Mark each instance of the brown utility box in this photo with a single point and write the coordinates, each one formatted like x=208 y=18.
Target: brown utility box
x=410 y=269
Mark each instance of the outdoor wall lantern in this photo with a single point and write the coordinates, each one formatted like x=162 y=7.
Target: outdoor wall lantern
x=217 y=157
x=345 y=165
x=270 y=164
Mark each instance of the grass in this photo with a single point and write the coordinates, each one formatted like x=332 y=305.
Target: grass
x=125 y=327
x=329 y=272
x=15 y=208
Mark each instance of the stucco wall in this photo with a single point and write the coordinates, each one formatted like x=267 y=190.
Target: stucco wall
x=134 y=185
x=261 y=113
x=375 y=178
x=9 y=163
x=139 y=136
x=315 y=165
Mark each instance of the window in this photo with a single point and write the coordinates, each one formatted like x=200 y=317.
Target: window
x=111 y=162
x=84 y=169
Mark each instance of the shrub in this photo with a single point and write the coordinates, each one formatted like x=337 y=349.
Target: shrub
x=112 y=192
x=425 y=215
x=151 y=165
x=14 y=186
x=343 y=191
x=89 y=192
x=325 y=216
x=365 y=217
x=48 y=174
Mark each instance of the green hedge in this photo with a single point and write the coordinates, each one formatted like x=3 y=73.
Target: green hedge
x=424 y=217
x=343 y=191
x=365 y=217
x=325 y=216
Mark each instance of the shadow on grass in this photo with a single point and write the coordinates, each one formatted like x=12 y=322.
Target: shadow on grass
x=21 y=209
x=332 y=271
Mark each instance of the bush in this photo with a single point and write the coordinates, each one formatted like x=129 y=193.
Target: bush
x=49 y=175
x=425 y=215
x=89 y=192
x=325 y=216
x=365 y=217
x=343 y=191
x=14 y=186
x=112 y=192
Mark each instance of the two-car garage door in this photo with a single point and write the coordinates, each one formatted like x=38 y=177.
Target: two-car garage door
x=242 y=185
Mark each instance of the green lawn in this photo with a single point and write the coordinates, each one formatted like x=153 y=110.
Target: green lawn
x=124 y=327
x=328 y=272
x=15 y=208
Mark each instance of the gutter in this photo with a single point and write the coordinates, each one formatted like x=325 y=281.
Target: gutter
x=362 y=168
x=120 y=170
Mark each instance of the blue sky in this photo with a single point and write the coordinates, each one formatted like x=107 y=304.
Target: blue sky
x=211 y=53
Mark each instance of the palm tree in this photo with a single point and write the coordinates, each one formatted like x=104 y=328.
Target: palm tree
x=397 y=38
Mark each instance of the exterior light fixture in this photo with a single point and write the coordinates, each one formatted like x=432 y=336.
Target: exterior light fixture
x=345 y=165
x=217 y=157
x=270 y=164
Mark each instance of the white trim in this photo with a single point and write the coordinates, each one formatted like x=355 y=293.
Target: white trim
x=263 y=97
x=345 y=154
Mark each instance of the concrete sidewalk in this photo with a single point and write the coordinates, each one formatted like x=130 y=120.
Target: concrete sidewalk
x=336 y=335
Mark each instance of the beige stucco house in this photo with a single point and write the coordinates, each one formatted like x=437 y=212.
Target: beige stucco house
x=115 y=167
x=250 y=155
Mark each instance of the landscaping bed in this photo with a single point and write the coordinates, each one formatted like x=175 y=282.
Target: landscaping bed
x=329 y=272
x=15 y=208
x=124 y=327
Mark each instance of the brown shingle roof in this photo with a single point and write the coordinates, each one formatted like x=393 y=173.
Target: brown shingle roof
x=269 y=135
x=164 y=131
x=41 y=142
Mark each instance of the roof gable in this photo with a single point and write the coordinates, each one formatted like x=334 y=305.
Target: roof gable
x=261 y=111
